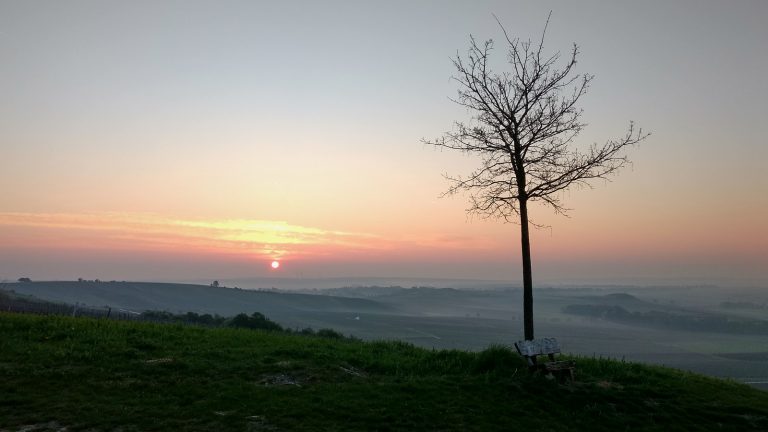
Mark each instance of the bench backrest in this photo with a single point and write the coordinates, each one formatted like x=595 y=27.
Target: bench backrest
x=532 y=348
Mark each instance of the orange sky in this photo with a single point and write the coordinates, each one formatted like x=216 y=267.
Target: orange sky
x=140 y=142
x=655 y=249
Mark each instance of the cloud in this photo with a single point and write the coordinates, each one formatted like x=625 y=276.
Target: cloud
x=146 y=234
x=273 y=239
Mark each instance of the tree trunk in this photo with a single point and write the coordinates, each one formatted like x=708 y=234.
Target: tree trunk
x=527 y=272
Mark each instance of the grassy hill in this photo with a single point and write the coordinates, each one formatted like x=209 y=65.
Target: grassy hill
x=473 y=320
x=100 y=375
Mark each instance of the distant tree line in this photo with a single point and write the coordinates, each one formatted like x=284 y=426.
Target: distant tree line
x=693 y=322
x=255 y=321
x=95 y=281
x=743 y=305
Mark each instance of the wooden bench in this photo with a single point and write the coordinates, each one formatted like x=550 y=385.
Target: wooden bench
x=530 y=349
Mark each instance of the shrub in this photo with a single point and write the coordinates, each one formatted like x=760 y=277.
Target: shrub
x=330 y=334
x=255 y=321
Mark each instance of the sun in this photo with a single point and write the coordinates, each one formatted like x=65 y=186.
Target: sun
x=275 y=264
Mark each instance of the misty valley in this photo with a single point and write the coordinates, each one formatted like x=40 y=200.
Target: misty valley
x=712 y=330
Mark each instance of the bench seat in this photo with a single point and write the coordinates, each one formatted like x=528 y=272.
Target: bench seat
x=530 y=349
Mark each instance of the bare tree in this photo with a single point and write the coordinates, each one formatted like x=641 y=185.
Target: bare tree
x=523 y=126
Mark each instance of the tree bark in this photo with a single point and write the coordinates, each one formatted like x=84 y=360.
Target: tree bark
x=527 y=272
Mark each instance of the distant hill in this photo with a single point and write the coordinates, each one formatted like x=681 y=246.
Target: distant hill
x=304 y=283
x=178 y=298
x=628 y=309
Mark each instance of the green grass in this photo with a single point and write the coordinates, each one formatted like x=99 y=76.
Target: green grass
x=103 y=375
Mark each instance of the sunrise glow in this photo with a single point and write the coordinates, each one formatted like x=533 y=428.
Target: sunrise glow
x=160 y=154
x=275 y=265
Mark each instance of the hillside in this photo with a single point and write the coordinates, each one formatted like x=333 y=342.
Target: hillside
x=173 y=297
x=102 y=375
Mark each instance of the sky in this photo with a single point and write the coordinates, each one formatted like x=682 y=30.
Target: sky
x=179 y=140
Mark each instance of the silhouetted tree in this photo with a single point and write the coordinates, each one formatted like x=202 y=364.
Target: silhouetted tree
x=523 y=125
x=215 y=283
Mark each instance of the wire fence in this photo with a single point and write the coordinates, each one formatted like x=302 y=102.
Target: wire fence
x=76 y=310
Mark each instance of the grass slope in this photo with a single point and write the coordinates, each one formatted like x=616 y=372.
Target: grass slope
x=109 y=375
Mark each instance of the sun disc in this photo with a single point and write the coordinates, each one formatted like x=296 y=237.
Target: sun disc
x=275 y=264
